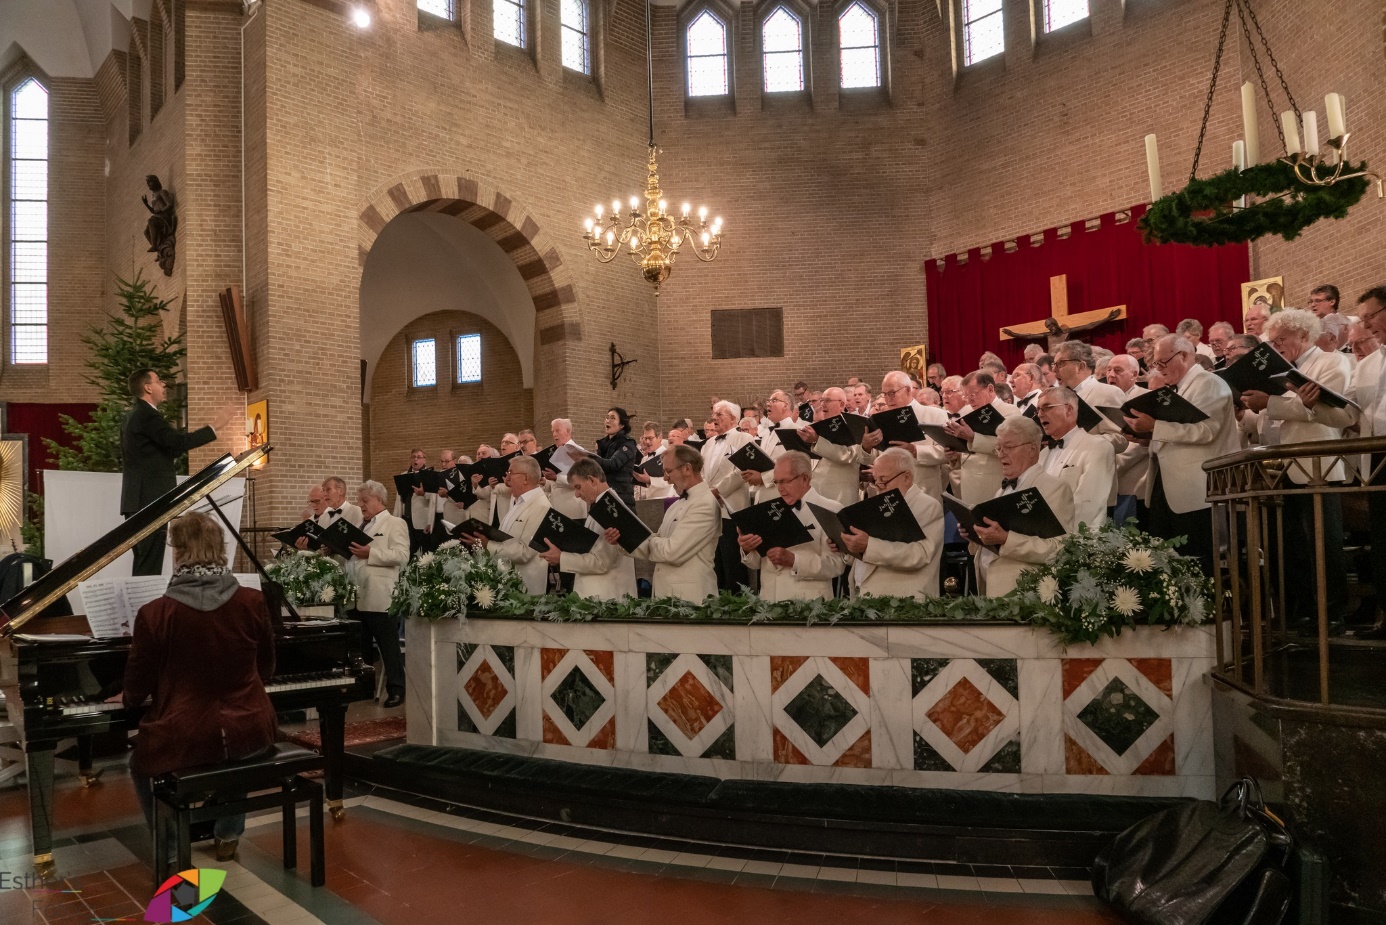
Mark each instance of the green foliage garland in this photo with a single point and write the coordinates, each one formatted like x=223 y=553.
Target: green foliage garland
x=1171 y=219
x=131 y=340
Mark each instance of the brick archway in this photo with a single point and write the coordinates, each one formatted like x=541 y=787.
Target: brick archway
x=479 y=203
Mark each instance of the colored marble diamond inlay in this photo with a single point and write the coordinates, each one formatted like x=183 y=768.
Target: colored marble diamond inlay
x=578 y=698
x=820 y=711
x=965 y=715
x=689 y=705
x=486 y=689
x=1118 y=716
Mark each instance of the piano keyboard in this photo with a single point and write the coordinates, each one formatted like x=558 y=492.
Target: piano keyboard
x=291 y=683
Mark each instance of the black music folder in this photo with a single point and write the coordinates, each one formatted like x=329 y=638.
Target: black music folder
x=984 y=420
x=936 y=433
x=897 y=424
x=406 y=482
x=1089 y=418
x=544 y=458
x=751 y=458
x=1025 y=512
x=473 y=527
x=774 y=522
x=1166 y=404
x=494 y=467
x=842 y=429
x=610 y=511
x=1255 y=371
x=653 y=467
x=308 y=529
x=432 y=480
x=790 y=440
x=695 y=443
x=1296 y=380
x=567 y=534
x=340 y=534
x=1118 y=417
x=884 y=517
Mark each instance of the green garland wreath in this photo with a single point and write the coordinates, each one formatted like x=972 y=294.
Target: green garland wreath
x=1171 y=219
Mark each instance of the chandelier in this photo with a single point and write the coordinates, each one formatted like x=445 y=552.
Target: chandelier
x=651 y=236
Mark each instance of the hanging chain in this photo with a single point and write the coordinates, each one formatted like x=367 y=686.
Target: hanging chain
x=1212 y=86
x=1265 y=43
x=1244 y=11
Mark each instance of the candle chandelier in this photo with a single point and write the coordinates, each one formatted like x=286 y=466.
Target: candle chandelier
x=652 y=236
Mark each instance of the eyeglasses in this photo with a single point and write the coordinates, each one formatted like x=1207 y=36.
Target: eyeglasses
x=1162 y=364
x=1368 y=316
x=1043 y=408
x=1319 y=298
x=1010 y=447
x=904 y=388
x=884 y=484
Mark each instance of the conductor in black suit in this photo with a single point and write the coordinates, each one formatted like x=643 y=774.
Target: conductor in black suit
x=149 y=447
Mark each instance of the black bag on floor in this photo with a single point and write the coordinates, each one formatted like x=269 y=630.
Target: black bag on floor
x=1201 y=863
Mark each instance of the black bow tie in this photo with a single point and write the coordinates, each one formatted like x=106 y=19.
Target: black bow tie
x=954 y=416
x=335 y=512
x=683 y=495
x=1010 y=483
x=721 y=436
x=1051 y=442
x=798 y=505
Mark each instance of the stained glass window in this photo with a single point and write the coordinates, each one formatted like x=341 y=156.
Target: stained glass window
x=577 y=55
x=859 y=36
x=469 y=358
x=707 y=56
x=509 y=21
x=782 y=38
x=28 y=251
x=983 y=30
x=1060 y=13
x=423 y=363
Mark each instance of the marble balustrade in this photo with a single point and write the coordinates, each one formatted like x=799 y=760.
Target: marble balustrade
x=961 y=707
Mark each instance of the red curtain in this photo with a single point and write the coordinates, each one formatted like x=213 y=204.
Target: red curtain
x=41 y=421
x=1108 y=266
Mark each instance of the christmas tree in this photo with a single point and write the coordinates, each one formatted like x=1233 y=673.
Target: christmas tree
x=132 y=340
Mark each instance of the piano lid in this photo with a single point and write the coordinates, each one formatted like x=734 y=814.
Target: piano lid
x=89 y=560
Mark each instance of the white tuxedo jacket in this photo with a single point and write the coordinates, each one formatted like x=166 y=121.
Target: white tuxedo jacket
x=1298 y=424
x=997 y=573
x=981 y=471
x=1133 y=463
x=1178 y=451
x=1365 y=388
x=375 y=575
x=602 y=572
x=837 y=476
x=683 y=548
x=889 y=569
x=658 y=488
x=815 y=563
x=774 y=449
x=350 y=513
x=533 y=571
x=1087 y=463
x=421 y=509
x=720 y=473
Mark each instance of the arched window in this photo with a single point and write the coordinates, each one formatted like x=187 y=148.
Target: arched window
x=577 y=46
x=859 y=36
x=984 y=34
x=28 y=244
x=509 y=21
x=1060 y=13
x=782 y=41
x=707 y=56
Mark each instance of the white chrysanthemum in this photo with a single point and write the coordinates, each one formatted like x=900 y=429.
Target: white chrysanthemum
x=1126 y=601
x=1138 y=560
x=426 y=559
x=1048 y=590
x=483 y=596
x=327 y=594
x=503 y=564
x=450 y=544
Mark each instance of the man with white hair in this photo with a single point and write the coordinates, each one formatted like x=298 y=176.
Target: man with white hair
x=884 y=568
x=779 y=412
x=1254 y=320
x=729 y=488
x=1086 y=461
x=1018 y=442
x=1132 y=463
x=1176 y=491
x=981 y=470
x=1025 y=380
x=561 y=495
x=806 y=571
x=528 y=505
x=684 y=547
x=1332 y=337
x=374 y=569
x=1218 y=335
x=1033 y=352
x=930 y=460
x=838 y=474
x=1192 y=328
x=601 y=573
x=1288 y=418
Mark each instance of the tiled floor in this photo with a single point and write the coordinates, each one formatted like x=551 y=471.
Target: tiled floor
x=403 y=860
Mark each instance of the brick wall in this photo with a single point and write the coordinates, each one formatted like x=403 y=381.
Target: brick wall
x=445 y=416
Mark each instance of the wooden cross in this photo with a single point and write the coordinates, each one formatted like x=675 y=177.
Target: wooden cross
x=1059 y=325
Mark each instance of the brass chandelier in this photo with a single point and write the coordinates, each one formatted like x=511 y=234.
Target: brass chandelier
x=652 y=236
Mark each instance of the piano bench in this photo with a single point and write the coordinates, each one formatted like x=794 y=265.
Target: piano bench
x=279 y=767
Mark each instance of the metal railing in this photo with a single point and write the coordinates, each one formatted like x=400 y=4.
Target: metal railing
x=1248 y=491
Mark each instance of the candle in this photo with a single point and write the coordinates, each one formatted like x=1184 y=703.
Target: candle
x=1287 y=122
x=1152 y=163
x=1311 y=133
x=1239 y=155
x=1250 y=130
x=1333 y=109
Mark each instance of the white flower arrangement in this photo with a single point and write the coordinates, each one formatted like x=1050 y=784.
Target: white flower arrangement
x=452 y=582
x=308 y=579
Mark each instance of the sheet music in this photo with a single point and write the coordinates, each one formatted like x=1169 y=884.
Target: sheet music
x=111 y=604
x=248 y=579
x=562 y=460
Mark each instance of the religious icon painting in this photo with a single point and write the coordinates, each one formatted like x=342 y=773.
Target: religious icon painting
x=257 y=423
x=915 y=360
x=1269 y=292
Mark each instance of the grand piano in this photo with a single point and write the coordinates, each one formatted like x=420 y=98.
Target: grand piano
x=57 y=689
